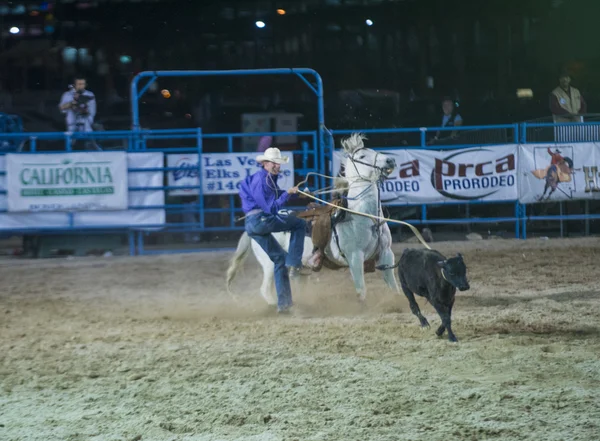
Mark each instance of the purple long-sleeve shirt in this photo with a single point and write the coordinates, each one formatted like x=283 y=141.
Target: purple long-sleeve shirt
x=262 y=192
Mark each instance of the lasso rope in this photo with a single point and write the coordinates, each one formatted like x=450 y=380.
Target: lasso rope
x=358 y=213
x=377 y=218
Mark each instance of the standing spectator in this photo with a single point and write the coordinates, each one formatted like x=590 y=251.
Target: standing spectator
x=566 y=102
x=568 y=106
x=450 y=118
x=79 y=106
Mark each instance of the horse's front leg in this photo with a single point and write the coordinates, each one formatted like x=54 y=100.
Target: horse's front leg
x=356 y=263
x=387 y=258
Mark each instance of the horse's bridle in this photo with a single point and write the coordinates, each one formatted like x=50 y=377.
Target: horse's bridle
x=376 y=167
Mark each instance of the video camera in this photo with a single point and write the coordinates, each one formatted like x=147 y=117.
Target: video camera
x=81 y=101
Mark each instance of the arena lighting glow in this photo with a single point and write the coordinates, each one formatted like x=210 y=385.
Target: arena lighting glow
x=14 y=30
x=369 y=22
x=165 y=93
x=281 y=11
x=260 y=24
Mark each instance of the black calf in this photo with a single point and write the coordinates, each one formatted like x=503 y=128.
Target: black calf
x=429 y=274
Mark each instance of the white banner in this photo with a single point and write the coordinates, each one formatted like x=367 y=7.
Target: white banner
x=222 y=173
x=460 y=175
x=559 y=172
x=66 y=181
x=137 y=218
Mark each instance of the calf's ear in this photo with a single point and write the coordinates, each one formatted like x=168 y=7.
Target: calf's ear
x=441 y=263
x=459 y=255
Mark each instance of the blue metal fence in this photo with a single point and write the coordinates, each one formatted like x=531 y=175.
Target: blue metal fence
x=146 y=141
x=310 y=158
x=524 y=133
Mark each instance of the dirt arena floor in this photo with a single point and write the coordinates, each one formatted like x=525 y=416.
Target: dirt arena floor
x=153 y=348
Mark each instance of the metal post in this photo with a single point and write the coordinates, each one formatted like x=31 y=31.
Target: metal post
x=330 y=146
x=140 y=241
x=423 y=140
x=524 y=217
x=304 y=155
x=231 y=197
x=524 y=132
x=560 y=207
x=131 y=238
x=518 y=216
x=200 y=190
x=468 y=215
x=587 y=219
x=315 y=150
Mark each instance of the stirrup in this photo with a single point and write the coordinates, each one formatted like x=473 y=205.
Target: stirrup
x=300 y=271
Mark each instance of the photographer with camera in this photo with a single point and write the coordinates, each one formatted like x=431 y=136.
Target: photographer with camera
x=79 y=105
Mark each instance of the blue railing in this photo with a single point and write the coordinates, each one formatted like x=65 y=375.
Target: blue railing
x=564 y=132
x=311 y=155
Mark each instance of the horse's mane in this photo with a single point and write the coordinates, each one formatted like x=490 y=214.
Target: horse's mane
x=350 y=145
x=353 y=143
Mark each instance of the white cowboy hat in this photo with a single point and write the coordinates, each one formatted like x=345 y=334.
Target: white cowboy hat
x=273 y=154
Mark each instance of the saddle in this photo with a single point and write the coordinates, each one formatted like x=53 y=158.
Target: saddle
x=323 y=219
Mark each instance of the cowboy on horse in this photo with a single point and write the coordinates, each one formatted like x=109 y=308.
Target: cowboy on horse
x=263 y=202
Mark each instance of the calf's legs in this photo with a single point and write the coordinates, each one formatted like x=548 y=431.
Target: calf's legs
x=444 y=311
x=414 y=306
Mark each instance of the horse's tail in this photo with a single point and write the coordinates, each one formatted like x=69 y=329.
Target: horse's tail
x=241 y=252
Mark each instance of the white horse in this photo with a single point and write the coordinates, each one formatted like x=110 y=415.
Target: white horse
x=360 y=238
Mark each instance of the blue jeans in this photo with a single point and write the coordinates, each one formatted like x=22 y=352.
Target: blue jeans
x=259 y=227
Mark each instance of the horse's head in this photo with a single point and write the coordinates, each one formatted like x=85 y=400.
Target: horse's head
x=363 y=163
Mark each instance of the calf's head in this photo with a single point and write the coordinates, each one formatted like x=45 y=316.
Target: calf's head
x=454 y=272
